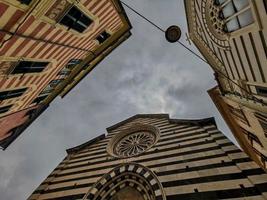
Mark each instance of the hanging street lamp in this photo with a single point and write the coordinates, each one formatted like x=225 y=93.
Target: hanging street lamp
x=173 y=34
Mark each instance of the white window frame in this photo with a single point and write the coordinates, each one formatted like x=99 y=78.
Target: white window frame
x=254 y=25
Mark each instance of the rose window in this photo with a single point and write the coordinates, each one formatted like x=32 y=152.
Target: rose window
x=133 y=141
x=134 y=144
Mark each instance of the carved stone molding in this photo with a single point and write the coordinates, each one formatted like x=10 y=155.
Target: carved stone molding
x=58 y=9
x=214 y=24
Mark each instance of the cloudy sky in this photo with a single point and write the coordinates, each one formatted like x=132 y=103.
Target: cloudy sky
x=145 y=74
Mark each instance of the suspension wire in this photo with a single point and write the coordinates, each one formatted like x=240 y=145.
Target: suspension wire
x=142 y=16
x=194 y=53
x=162 y=30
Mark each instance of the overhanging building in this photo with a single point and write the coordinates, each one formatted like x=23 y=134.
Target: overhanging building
x=46 y=48
x=232 y=36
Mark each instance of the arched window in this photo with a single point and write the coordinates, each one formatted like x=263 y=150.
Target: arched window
x=235 y=13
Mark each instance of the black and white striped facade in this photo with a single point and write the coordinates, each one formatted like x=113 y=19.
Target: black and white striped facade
x=191 y=159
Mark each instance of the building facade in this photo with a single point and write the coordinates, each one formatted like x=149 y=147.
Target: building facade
x=47 y=47
x=153 y=157
x=232 y=36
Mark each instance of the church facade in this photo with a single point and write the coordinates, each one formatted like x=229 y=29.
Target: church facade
x=153 y=157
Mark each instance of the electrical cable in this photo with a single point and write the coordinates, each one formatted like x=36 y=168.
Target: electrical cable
x=194 y=53
x=162 y=30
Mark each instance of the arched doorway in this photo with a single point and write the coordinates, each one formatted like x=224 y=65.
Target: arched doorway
x=129 y=181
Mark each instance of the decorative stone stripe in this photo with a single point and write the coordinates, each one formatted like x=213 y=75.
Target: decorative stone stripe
x=165 y=164
x=127 y=175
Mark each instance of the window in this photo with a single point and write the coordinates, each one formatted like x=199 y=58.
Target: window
x=235 y=13
x=54 y=83
x=72 y=63
x=27 y=2
x=51 y=86
x=261 y=91
x=23 y=67
x=5 y=109
x=39 y=99
x=75 y=19
x=64 y=72
x=102 y=37
x=144 y=135
x=12 y=93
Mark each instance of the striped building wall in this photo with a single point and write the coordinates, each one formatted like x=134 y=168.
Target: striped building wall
x=39 y=38
x=192 y=159
x=239 y=59
x=30 y=30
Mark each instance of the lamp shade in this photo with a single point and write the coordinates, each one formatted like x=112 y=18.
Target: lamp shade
x=173 y=34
